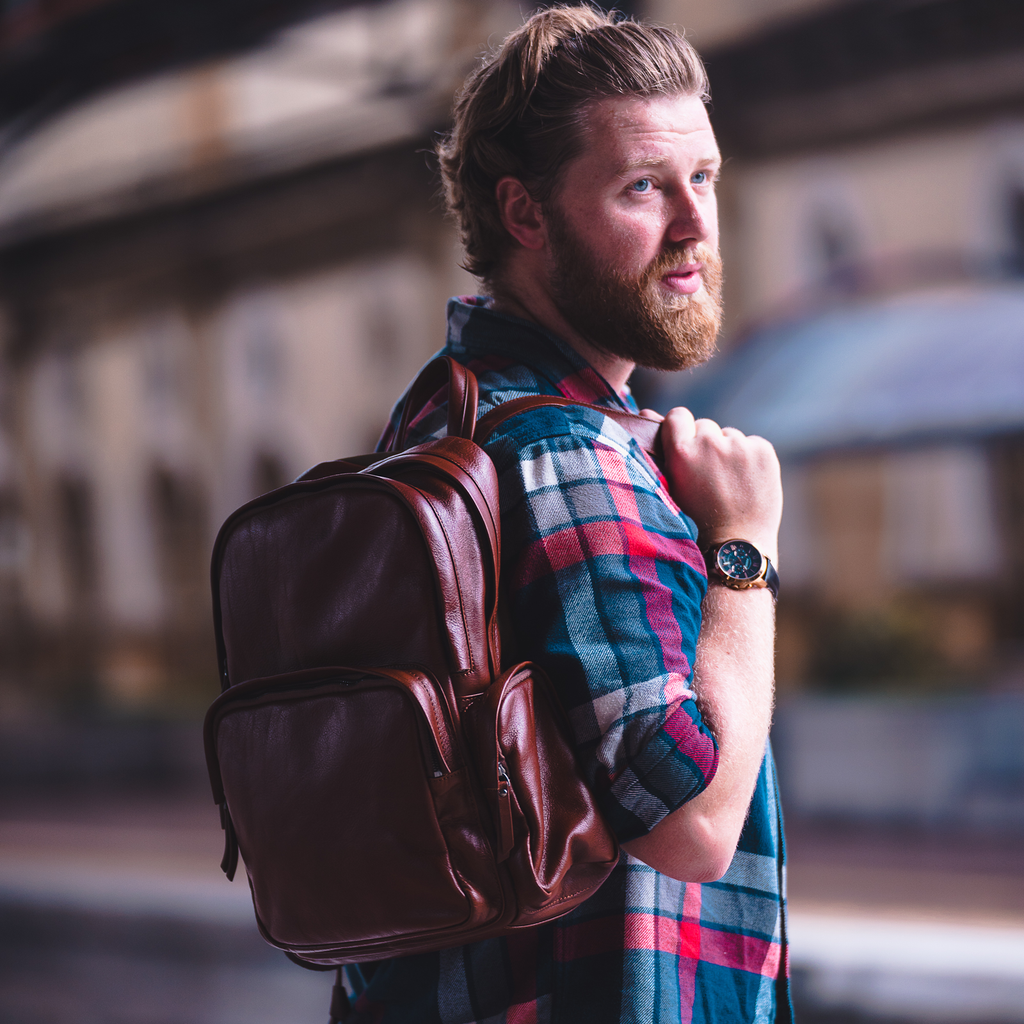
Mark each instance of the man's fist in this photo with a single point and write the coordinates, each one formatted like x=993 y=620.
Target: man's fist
x=728 y=483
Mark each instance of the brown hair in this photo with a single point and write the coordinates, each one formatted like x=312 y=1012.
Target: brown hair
x=521 y=112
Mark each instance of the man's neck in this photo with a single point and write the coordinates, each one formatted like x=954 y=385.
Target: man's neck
x=519 y=299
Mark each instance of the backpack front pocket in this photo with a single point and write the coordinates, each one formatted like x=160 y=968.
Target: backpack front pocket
x=340 y=785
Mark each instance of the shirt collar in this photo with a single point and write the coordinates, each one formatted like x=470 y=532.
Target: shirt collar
x=474 y=329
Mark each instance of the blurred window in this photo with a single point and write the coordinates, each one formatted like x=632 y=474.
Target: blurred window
x=13 y=538
x=1016 y=260
x=180 y=527
x=383 y=335
x=77 y=533
x=834 y=247
x=1008 y=465
x=846 y=495
x=164 y=370
x=834 y=242
x=58 y=409
x=798 y=540
x=264 y=358
x=940 y=519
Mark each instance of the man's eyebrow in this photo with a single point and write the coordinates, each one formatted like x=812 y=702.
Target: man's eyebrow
x=659 y=160
x=639 y=162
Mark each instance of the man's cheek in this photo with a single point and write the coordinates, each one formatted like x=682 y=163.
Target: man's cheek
x=630 y=246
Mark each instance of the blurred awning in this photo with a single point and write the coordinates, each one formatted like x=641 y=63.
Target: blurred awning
x=939 y=365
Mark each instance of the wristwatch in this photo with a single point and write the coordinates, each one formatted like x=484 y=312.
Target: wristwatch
x=740 y=565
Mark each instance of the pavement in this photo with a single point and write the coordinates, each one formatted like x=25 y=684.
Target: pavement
x=113 y=909
x=907 y=925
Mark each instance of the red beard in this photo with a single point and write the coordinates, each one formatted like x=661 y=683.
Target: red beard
x=629 y=315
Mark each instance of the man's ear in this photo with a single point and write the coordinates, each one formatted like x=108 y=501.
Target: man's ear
x=521 y=214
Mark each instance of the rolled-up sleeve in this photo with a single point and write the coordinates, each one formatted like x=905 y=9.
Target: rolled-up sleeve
x=605 y=584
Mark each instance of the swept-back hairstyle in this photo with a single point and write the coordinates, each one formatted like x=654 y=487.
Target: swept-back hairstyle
x=521 y=112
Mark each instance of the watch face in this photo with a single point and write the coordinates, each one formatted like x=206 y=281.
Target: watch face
x=739 y=560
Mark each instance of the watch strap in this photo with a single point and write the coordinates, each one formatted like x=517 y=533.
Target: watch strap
x=771 y=579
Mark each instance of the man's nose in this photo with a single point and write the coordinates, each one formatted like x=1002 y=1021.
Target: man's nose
x=690 y=221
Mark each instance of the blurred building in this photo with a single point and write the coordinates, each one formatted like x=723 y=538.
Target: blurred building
x=900 y=423
x=873 y=235
x=213 y=277
x=222 y=256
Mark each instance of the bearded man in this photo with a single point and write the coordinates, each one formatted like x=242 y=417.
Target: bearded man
x=582 y=167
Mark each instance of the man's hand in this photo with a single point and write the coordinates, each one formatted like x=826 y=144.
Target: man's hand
x=728 y=483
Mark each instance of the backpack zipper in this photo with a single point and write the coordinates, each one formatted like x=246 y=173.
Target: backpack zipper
x=506 y=838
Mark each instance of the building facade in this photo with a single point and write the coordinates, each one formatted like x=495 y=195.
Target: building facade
x=224 y=269
x=875 y=165
x=213 y=278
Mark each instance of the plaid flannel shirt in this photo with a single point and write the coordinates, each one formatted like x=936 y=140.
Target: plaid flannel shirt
x=605 y=583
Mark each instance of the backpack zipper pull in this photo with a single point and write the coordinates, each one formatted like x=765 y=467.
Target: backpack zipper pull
x=504 y=816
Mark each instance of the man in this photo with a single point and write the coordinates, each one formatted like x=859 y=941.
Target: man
x=582 y=169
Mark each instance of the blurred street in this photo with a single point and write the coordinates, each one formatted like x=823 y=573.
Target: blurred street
x=114 y=910
x=906 y=925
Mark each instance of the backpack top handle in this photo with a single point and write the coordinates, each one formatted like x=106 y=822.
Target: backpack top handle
x=462 y=393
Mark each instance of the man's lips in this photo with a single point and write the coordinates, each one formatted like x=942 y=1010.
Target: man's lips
x=684 y=279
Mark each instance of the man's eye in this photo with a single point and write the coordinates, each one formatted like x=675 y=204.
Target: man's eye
x=643 y=185
x=699 y=178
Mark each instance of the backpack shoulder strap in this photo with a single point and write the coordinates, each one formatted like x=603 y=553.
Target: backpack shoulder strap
x=463 y=394
x=647 y=433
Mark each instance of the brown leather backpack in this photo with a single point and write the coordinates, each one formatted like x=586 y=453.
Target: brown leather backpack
x=392 y=786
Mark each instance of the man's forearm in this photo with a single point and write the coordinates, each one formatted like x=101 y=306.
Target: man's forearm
x=731 y=486
x=733 y=679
